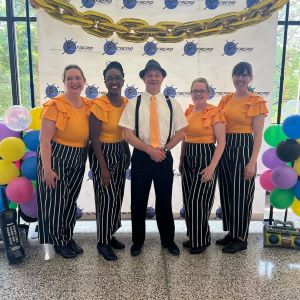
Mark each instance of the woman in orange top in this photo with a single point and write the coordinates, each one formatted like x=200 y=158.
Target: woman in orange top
x=109 y=158
x=245 y=114
x=198 y=162
x=61 y=163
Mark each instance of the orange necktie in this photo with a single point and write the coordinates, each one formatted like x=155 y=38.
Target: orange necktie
x=154 y=129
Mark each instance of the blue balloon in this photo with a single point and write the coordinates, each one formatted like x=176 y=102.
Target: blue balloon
x=32 y=139
x=1 y=201
x=150 y=213
x=291 y=126
x=297 y=190
x=28 y=168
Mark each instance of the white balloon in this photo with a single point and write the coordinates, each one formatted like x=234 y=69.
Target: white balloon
x=17 y=118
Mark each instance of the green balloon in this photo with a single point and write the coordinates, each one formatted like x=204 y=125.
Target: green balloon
x=12 y=205
x=282 y=199
x=273 y=135
x=34 y=184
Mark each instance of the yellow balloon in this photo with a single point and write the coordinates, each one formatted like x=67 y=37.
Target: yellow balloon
x=12 y=149
x=8 y=172
x=297 y=166
x=36 y=118
x=296 y=206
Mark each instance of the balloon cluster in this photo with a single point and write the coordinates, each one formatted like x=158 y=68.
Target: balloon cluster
x=283 y=163
x=19 y=139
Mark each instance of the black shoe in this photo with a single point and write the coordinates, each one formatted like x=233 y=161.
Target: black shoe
x=197 y=250
x=235 y=246
x=225 y=240
x=186 y=244
x=106 y=252
x=116 y=244
x=75 y=247
x=172 y=248
x=135 y=250
x=65 y=251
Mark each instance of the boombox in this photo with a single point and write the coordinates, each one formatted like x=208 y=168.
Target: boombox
x=282 y=234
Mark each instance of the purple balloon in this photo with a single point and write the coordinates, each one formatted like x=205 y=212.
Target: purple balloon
x=271 y=160
x=284 y=177
x=29 y=154
x=6 y=132
x=30 y=208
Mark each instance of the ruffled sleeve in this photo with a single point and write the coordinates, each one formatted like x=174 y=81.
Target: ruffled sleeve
x=256 y=106
x=101 y=108
x=224 y=100
x=212 y=115
x=57 y=111
x=189 y=110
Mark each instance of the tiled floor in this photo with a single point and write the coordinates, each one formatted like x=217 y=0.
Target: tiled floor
x=258 y=273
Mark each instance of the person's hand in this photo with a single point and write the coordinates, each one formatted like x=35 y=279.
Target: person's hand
x=180 y=166
x=105 y=176
x=250 y=170
x=156 y=154
x=50 y=178
x=207 y=173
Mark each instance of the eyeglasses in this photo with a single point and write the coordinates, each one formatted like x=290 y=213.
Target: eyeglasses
x=201 y=92
x=117 y=79
x=242 y=75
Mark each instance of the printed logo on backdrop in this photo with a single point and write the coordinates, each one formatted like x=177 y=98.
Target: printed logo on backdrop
x=131 y=92
x=260 y=93
x=52 y=91
x=213 y=4
x=231 y=48
x=111 y=48
x=91 y=91
x=171 y=91
x=70 y=47
x=251 y=2
x=151 y=48
x=212 y=92
x=172 y=4
x=130 y=4
x=190 y=49
x=92 y=3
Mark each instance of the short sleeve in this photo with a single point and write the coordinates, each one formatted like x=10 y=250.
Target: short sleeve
x=127 y=119
x=256 y=106
x=50 y=112
x=189 y=110
x=224 y=100
x=179 y=119
x=100 y=110
x=218 y=117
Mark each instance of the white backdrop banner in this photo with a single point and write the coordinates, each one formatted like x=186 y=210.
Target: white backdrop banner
x=212 y=57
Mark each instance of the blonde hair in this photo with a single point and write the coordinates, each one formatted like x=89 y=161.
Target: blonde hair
x=202 y=80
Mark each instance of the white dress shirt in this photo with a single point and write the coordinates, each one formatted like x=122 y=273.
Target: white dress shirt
x=128 y=117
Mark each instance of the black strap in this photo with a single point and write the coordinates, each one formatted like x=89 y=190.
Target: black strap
x=137 y=109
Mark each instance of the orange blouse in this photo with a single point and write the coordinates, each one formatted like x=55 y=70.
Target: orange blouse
x=239 y=112
x=109 y=115
x=72 y=125
x=200 y=124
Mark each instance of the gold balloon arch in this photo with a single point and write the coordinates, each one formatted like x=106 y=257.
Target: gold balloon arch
x=139 y=30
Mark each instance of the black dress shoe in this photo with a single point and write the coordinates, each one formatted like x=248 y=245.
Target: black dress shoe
x=235 y=246
x=135 y=250
x=106 y=252
x=75 y=247
x=116 y=244
x=186 y=244
x=172 y=248
x=65 y=251
x=225 y=240
x=197 y=250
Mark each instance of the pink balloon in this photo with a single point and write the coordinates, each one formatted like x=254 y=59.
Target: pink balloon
x=6 y=132
x=284 y=177
x=18 y=164
x=20 y=190
x=30 y=208
x=29 y=154
x=265 y=181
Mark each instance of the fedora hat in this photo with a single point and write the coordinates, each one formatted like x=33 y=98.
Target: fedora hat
x=152 y=65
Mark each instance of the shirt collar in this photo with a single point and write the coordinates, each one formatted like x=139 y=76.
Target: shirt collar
x=148 y=95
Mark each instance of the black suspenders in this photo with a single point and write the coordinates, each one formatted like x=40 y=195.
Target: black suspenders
x=137 y=108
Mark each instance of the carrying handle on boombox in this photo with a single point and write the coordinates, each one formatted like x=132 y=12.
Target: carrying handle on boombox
x=284 y=224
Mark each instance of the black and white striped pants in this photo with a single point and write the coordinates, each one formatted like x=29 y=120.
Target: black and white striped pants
x=57 y=207
x=109 y=199
x=198 y=196
x=236 y=194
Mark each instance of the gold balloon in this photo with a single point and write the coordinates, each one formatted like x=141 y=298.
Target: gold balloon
x=12 y=149
x=296 y=207
x=8 y=172
x=297 y=166
x=36 y=118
